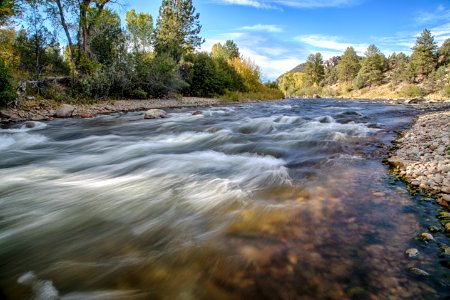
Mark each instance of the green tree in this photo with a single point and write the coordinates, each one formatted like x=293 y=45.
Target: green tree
x=444 y=53
x=140 y=26
x=227 y=51
x=314 y=68
x=107 y=38
x=423 y=58
x=8 y=9
x=177 y=29
x=373 y=65
x=348 y=66
x=7 y=94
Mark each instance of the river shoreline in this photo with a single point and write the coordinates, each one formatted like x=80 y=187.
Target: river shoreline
x=422 y=155
x=44 y=110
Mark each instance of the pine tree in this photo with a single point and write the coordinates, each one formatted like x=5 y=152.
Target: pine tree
x=348 y=66
x=371 y=71
x=444 y=53
x=177 y=29
x=423 y=58
x=314 y=69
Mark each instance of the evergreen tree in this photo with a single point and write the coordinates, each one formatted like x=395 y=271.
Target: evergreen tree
x=177 y=29
x=401 y=69
x=348 y=66
x=371 y=71
x=423 y=58
x=444 y=53
x=314 y=69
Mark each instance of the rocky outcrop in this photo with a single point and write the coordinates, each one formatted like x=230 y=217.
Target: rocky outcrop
x=65 y=111
x=155 y=114
x=423 y=156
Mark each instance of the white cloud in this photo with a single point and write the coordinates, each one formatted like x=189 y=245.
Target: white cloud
x=275 y=4
x=330 y=43
x=263 y=27
x=439 y=14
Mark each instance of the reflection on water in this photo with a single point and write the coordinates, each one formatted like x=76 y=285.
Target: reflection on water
x=284 y=200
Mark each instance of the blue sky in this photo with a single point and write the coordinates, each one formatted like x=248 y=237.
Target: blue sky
x=279 y=34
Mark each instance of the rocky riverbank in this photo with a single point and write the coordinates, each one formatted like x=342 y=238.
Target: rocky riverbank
x=423 y=155
x=44 y=110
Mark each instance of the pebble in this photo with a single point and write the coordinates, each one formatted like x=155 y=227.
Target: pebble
x=422 y=156
x=412 y=252
x=418 y=272
x=426 y=236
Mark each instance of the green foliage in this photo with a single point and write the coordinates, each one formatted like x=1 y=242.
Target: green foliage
x=330 y=76
x=444 y=53
x=348 y=66
x=227 y=51
x=292 y=83
x=412 y=91
x=314 y=69
x=8 y=8
x=401 y=68
x=177 y=29
x=446 y=91
x=211 y=76
x=140 y=27
x=107 y=39
x=139 y=94
x=371 y=72
x=7 y=93
x=423 y=58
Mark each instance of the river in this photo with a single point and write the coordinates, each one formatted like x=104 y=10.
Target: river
x=279 y=200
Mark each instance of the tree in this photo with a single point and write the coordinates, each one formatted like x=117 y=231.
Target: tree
x=401 y=68
x=348 y=66
x=372 y=68
x=7 y=94
x=107 y=38
x=444 y=53
x=8 y=8
x=140 y=26
x=177 y=29
x=292 y=83
x=423 y=58
x=227 y=51
x=249 y=71
x=314 y=69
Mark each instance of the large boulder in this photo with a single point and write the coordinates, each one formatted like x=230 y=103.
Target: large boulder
x=155 y=114
x=65 y=111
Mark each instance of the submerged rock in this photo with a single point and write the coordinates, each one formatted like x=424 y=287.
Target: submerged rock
x=426 y=236
x=418 y=272
x=412 y=252
x=155 y=114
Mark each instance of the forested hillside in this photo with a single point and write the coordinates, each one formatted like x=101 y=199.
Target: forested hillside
x=76 y=51
x=425 y=73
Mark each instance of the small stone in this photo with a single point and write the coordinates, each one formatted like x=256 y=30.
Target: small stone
x=447 y=227
x=418 y=272
x=412 y=252
x=378 y=194
x=426 y=236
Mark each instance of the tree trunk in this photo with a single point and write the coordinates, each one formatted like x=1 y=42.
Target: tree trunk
x=66 y=29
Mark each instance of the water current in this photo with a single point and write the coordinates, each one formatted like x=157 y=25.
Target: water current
x=280 y=200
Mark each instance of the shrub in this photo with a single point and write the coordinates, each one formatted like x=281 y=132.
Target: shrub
x=446 y=91
x=7 y=93
x=55 y=91
x=138 y=94
x=412 y=91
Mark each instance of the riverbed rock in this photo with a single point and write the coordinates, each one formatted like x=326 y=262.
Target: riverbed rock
x=65 y=111
x=426 y=236
x=155 y=114
x=412 y=252
x=418 y=272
